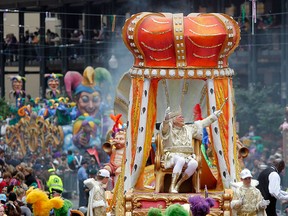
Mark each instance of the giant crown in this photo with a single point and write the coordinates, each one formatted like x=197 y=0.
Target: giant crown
x=174 y=46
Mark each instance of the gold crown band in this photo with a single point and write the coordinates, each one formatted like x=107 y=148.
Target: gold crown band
x=181 y=73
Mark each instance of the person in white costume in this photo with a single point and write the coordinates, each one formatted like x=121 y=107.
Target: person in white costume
x=247 y=199
x=97 y=201
x=177 y=144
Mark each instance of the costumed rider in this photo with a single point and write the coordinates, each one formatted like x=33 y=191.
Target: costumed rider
x=247 y=199
x=67 y=206
x=54 y=182
x=177 y=142
x=97 y=201
x=117 y=147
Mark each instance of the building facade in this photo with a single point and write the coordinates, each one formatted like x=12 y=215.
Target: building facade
x=260 y=58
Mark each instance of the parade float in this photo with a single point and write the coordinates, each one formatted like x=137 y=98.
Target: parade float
x=178 y=61
x=75 y=120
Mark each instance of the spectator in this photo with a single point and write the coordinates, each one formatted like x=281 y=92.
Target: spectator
x=2 y=154
x=78 y=159
x=12 y=207
x=36 y=38
x=3 y=128
x=18 y=179
x=10 y=47
x=93 y=167
x=6 y=181
x=27 y=37
x=95 y=34
x=21 y=196
x=71 y=160
x=3 y=199
x=82 y=176
x=40 y=178
x=2 y=211
x=30 y=179
x=3 y=144
x=4 y=191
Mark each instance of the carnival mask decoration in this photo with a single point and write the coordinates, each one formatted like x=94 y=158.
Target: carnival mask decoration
x=17 y=85
x=53 y=83
x=86 y=94
x=84 y=129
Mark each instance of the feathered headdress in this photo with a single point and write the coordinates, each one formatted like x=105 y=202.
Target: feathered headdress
x=172 y=210
x=200 y=206
x=198 y=116
x=118 y=124
x=154 y=212
x=176 y=210
x=197 y=112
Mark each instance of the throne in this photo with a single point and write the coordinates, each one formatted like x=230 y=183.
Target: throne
x=163 y=176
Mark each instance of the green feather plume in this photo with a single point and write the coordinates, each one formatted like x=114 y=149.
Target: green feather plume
x=154 y=212
x=176 y=210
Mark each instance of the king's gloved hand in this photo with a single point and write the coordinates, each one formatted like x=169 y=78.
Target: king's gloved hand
x=217 y=113
x=167 y=113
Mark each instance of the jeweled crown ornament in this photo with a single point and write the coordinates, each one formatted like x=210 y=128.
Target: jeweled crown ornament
x=177 y=46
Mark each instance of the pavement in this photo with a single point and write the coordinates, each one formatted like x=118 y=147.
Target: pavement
x=75 y=202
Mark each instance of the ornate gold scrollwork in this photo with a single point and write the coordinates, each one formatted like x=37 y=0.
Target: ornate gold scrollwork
x=33 y=132
x=134 y=202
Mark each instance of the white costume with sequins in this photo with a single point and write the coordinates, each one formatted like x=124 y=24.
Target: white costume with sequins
x=251 y=198
x=178 y=140
x=97 y=200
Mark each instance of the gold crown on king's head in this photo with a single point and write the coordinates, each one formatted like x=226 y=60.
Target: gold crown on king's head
x=176 y=46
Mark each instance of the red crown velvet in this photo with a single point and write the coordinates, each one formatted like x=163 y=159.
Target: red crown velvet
x=165 y=44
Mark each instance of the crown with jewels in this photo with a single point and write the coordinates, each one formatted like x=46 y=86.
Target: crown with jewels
x=168 y=45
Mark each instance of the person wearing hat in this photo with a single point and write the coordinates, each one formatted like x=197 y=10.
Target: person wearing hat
x=54 y=182
x=82 y=175
x=12 y=207
x=67 y=206
x=87 y=93
x=97 y=201
x=177 y=142
x=247 y=199
x=3 y=199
